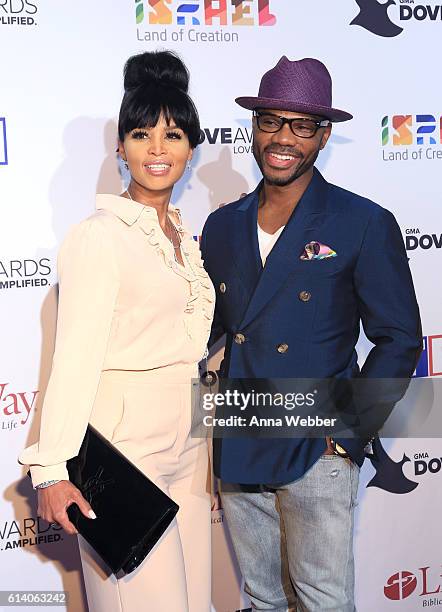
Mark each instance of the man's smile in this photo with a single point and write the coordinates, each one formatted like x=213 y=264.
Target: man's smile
x=280 y=160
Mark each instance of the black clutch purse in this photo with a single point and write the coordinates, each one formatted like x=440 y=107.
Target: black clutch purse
x=132 y=512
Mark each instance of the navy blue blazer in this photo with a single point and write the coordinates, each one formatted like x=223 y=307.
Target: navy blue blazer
x=369 y=280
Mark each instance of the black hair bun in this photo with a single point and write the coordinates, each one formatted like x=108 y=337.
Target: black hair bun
x=155 y=68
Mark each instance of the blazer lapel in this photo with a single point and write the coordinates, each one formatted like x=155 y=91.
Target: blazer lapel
x=301 y=228
x=244 y=243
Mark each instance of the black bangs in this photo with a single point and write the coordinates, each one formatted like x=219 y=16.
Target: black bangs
x=142 y=106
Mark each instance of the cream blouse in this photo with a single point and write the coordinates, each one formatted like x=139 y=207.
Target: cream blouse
x=124 y=304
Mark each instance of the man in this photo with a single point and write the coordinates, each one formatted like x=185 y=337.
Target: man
x=297 y=265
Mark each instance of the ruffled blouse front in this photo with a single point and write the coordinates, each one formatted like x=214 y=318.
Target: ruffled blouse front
x=198 y=312
x=124 y=304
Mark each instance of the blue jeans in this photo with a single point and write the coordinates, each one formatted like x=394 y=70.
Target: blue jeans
x=294 y=542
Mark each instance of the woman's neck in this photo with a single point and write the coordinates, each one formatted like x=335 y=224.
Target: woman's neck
x=156 y=199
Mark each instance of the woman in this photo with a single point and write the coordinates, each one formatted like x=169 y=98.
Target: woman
x=135 y=311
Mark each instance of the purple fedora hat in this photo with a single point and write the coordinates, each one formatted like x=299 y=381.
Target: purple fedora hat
x=302 y=86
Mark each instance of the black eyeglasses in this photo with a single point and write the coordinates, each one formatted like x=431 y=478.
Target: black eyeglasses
x=304 y=128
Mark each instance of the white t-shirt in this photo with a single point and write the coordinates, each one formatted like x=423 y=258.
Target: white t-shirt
x=267 y=241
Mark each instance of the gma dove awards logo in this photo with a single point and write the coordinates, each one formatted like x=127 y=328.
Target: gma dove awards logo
x=195 y=19
x=383 y=18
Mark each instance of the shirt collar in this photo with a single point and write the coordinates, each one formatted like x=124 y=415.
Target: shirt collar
x=127 y=210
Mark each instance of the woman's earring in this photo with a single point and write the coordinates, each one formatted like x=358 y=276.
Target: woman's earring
x=126 y=165
x=189 y=165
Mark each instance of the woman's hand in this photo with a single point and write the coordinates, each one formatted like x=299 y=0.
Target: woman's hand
x=53 y=501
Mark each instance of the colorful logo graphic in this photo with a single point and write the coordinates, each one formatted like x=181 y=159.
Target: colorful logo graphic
x=373 y=17
x=402 y=584
x=3 y=143
x=430 y=361
x=204 y=13
x=406 y=130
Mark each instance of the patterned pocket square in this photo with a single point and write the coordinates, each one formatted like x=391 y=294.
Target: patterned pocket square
x=316 y=250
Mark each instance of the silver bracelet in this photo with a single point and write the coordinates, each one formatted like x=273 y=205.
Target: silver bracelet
x=45 y=484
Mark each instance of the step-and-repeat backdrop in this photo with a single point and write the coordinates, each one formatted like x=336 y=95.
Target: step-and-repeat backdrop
x=61 y=86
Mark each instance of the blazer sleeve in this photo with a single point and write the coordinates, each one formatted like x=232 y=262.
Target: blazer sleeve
x=387 y=301
x=88 y=286
x=390 y=318
x=217 y=325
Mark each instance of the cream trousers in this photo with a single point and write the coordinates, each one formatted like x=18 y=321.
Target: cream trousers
x=147 y=416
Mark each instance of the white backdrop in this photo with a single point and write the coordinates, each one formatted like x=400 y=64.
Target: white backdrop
x=61 y=87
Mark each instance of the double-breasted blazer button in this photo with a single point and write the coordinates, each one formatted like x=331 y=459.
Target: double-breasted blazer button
x=222 y=287
x=304 y=296
x=239 y=338
x=282 y=348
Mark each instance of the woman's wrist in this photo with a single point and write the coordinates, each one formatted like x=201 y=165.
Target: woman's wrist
x=46 y=484
x=45 y=473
